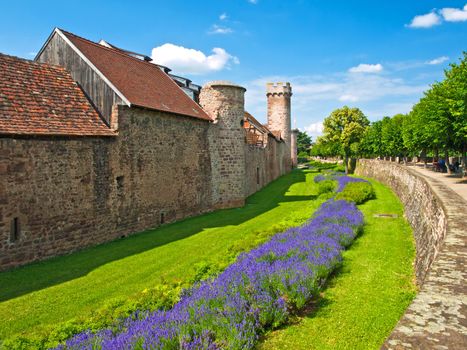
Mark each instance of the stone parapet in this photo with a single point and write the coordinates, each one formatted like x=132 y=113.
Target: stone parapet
x=437 y=318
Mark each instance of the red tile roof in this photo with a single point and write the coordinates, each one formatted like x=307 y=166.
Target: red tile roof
x=262 y=127
x=40 y=99
x=142 y=83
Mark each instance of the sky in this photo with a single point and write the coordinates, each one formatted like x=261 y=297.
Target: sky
x=378 y=56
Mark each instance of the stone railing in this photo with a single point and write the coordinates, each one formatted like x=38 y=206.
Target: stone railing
x=437 y=318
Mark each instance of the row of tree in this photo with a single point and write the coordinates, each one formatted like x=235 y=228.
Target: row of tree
x=437 y=124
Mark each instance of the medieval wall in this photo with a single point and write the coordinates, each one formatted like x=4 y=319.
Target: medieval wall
x=224 y=102
x=423 y=209
x=62 y=194
x=265 y=164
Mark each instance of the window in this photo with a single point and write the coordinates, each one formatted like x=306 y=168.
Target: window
x=119 y=180
x=162 y=218
x=15 y=230
x=257 y=175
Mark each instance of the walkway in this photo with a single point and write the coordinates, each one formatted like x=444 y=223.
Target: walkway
x=437 y=318
x=454 y=182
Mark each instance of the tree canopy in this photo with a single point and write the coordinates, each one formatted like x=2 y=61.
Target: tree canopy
x=303 y=142
x=438 y=122
x=343 y=131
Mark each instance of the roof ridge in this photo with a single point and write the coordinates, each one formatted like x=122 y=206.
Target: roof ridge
x=117 y=51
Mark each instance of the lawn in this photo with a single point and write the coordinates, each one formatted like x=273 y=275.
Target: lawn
x=364 y=300
x=38 y=296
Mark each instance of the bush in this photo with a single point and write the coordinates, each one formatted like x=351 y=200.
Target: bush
x=358 y=192
x=340 y=168
x=326 y=186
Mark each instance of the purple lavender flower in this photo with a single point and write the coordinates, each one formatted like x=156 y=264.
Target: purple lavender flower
x=255 y=293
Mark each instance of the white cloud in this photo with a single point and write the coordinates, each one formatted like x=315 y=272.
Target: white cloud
x=223 y=16
x=366 y=68
x=216 y=29
x=314 y=129
x=348 y=98
x=454 y=15
x=32 y=53
x=253 y=1
x=425 y=21
x=438 y=60
x=190 y=61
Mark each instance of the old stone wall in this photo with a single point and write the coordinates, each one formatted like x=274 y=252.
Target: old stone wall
x=423 y=209
x=265 y=164
x=62 y=194
x=224 y=102
x=437 y=317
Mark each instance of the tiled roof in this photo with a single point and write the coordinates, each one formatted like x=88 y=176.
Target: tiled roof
x=40 y=99
x=262 y=127
x=142 y=83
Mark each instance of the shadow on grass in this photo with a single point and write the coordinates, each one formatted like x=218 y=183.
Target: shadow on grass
x=57 y=270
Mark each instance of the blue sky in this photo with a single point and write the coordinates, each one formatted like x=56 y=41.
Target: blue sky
x=378 y=56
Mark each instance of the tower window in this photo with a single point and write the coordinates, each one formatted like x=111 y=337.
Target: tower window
x=162 y=218
x=257 y=175
x=15 y=230
x=120 y=181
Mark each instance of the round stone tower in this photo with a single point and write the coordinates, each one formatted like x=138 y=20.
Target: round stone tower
x=224 y=101
x=278 y=95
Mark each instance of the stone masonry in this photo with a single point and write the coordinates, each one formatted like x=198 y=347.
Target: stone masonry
x=225 y=103
x=437 y=318
x=66 y=193
x=158 y=155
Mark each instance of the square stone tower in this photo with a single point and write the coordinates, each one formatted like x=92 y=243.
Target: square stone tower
x=279 y=119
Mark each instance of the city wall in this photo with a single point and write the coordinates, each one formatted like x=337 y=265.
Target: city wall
x=436 y=319
x=61 y=194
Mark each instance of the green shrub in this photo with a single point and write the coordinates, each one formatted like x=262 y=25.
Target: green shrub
x=326 y=186
x=321 y=166
x=339 y=168
x=358 y=192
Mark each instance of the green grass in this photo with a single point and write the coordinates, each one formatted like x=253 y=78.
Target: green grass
x=39 y=296
x=364 y=300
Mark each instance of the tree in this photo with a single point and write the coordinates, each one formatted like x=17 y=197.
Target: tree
x=345 y=127
x=303 y=142
x=456 y=100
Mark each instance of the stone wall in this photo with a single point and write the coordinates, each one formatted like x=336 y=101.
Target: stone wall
x=279 y=109
x=225 y=103
x=264 y=164
x=423 y=209
x=62 y=194
x=437 y=317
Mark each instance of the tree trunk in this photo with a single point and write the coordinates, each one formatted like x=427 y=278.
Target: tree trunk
x=346 y=164
x=424 y=158
x=464 y=159
x=446 y=158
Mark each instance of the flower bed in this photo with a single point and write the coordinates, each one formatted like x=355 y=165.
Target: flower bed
x=342 y=180
x=256 y=293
